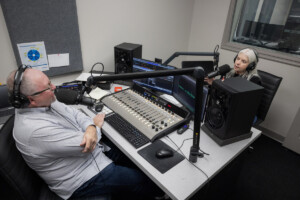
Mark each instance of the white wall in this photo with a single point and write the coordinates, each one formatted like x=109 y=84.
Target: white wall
x=209 y=18
x=161 y=26
x=164 y=27
x=7 y=58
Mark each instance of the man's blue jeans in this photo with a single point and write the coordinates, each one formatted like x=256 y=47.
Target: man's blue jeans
x=120 y=181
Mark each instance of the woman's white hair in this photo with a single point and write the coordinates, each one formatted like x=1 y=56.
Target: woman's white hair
x=250 y=54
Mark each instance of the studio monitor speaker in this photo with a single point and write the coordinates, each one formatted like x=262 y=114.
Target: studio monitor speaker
x=231 y=110
x=124 y=54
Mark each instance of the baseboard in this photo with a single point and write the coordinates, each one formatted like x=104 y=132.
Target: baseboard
x=271 y=134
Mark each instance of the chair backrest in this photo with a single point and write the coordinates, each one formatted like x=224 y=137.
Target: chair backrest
x=271 y=84
x=23 y=181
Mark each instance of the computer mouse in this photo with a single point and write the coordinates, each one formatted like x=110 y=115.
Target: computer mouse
x=98 y=107
x=164 y=153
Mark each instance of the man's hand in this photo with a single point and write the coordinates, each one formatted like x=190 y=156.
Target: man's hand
x=90 y=137
x=99 y=119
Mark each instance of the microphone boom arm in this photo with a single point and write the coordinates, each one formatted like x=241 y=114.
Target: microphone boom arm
x=176 y=54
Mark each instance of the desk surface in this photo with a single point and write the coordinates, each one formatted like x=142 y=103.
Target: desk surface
x=184 y=179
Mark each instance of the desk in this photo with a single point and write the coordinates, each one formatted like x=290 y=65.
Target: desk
x=183 y=180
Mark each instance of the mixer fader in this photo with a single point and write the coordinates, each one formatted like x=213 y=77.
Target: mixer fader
x=150 y=114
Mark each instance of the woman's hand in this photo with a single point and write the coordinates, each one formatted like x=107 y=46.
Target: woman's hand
x=209 y=80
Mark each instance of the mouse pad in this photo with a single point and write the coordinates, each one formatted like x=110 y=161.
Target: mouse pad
x=161 y=164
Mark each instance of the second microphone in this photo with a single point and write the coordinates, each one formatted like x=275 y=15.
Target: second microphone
x=222 y=70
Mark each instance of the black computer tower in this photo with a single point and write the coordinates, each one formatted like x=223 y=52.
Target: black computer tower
x=231 y=109
x=124 y=54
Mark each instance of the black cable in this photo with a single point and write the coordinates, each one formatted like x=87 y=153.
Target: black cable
x=90 y=152
x=93 y=70
x=94 y=66
x=199 y=147
x=179 y=148
x=184 y=141
x=98 y=166
x=96 y=162
x=216 y=57
x=77 y=129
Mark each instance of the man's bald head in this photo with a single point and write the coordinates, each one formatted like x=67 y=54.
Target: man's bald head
x=33 y=81
x=29 y=82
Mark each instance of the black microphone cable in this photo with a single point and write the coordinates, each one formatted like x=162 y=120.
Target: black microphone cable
x=203 y=152
x=80 y=130
x=97 y=63
x=179 y=148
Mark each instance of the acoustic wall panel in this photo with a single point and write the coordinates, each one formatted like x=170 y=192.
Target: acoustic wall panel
x=53 y=21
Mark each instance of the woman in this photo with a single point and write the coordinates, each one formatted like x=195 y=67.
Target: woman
x=244 y=66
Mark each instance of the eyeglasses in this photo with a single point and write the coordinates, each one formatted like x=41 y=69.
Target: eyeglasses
x=40 y=92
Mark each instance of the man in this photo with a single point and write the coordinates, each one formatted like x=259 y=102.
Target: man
x=244 y=66
x=62 y=145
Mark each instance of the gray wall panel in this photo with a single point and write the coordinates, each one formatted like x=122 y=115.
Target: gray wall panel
x=53 y=21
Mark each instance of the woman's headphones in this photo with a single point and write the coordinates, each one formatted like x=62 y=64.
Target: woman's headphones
x=17 y=99
x=251 y=65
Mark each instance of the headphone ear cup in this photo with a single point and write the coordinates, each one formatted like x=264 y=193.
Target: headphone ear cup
x=24 y=101
x=234 y=58
x=251 y=66
x=19 y=101
x=14 y=102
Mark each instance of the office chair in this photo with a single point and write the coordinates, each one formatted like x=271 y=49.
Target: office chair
x=271 y=84
x=24 y=183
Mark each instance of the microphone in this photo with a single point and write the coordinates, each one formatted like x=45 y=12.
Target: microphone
x=72 y=97
x=88 y=101
x=220 y=71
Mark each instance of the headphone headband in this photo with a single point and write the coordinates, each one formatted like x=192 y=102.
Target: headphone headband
x=18 y=100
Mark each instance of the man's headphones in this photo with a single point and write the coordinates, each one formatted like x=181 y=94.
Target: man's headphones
x=17 y=99
x=252 y=65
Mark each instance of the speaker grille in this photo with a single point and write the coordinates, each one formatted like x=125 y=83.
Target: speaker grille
x=215 y=117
